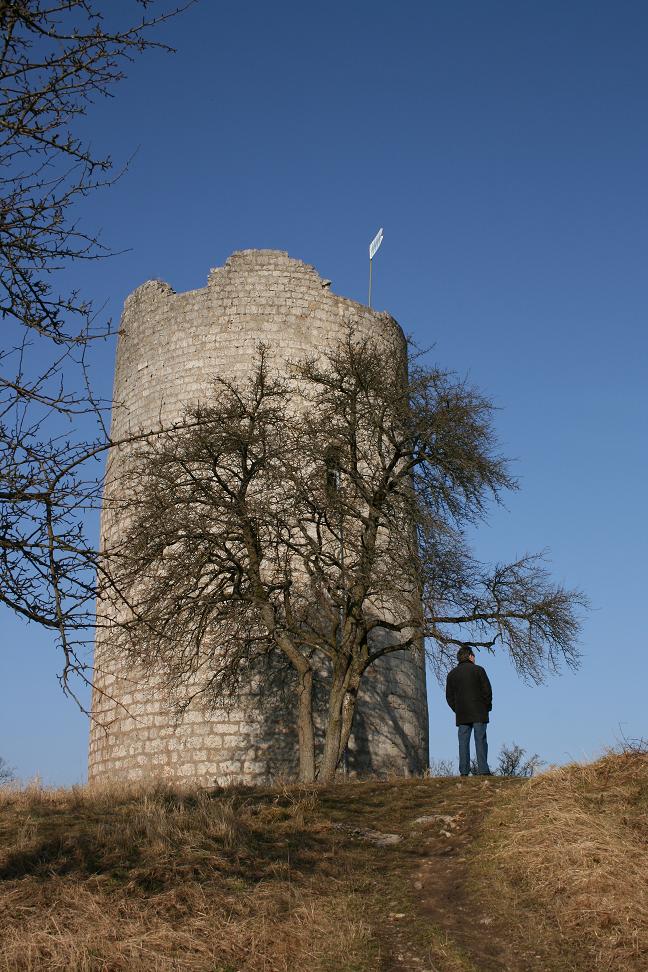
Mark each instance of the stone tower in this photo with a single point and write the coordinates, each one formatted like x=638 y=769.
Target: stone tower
x=170 y=348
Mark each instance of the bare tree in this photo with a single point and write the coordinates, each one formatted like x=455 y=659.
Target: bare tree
x=56 y=58
x=319 y=517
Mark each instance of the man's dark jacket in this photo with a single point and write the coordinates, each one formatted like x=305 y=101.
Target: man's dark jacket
x=469 y=693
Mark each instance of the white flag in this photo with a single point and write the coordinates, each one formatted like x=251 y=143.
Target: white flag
x=375 y=243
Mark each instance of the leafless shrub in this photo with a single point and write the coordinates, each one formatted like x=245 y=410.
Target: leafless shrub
x=7 y=774
x=513 y=761
x=442 y=767
x=632 y=747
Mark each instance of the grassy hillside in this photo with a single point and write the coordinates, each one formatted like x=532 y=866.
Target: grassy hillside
x=444 y=875
x=574 y=844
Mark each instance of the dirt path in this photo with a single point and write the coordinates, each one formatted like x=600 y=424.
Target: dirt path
x=462 y=931
x=439 y=910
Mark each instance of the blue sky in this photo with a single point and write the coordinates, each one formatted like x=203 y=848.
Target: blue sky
x=504 y=148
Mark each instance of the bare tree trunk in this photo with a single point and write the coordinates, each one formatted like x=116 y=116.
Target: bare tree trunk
x=330 y=758
x=349 y=704
x=334 y=722
x=305 y=732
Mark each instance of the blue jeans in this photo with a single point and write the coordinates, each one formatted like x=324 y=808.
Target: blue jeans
x=481 y=748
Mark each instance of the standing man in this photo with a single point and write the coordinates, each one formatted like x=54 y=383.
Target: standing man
x=470 y=696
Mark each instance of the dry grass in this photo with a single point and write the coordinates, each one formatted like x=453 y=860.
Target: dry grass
x=135 y=879
x=161 y=879
x=575 y=840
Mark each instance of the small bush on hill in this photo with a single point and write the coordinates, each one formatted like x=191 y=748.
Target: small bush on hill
x=512 y=762
x=7 y=774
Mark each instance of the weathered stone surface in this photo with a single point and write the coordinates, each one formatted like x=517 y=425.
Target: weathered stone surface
x=373 y=836
x=171 y=346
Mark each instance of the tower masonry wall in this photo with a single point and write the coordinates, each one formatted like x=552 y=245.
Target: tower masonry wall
x=170 y=348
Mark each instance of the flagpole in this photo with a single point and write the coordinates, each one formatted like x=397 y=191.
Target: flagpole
x=373 y=248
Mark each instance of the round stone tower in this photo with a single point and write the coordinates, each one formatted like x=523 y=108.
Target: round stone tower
x=169 y=350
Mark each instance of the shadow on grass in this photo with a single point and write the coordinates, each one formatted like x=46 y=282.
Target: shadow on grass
x=151 y=843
